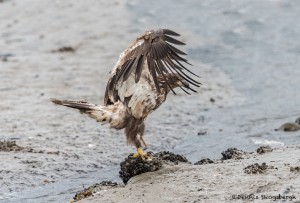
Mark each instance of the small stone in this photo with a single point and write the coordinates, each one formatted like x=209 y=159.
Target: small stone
x=264 y=149
x=232 y=153
x=169 y=156
x=295 y=169
x=256 y=168
x=7 y=146
x=65 y=49
x=297 y=121
x=289 y=127
x=204 y=161
x=86 y=192
x=202 y=132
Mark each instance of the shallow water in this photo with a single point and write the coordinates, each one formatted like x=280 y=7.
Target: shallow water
x=255 y=43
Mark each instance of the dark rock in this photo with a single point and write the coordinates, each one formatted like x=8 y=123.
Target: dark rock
x=134 y=166
x=264 y=149
x=232 y=153
x=256 y=168
x=204 y=161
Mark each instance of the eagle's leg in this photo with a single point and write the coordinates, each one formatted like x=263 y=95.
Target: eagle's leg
x=134 y=132
x=140 y=152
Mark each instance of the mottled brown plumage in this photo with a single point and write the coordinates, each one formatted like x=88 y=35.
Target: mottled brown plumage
x=139 y=83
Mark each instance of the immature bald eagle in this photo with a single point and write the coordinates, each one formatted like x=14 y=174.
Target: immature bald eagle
x=139 y=83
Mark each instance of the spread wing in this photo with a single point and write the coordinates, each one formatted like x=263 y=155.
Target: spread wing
x=152 y=51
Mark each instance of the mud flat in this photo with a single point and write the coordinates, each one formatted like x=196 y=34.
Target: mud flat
x=262 y=177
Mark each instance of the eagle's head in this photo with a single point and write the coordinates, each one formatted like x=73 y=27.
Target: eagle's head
x=152 y=35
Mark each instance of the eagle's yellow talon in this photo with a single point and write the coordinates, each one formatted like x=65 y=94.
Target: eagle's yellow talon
x=142 y=154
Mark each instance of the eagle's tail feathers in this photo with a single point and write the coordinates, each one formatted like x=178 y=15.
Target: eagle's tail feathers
x=81 y=105
x=97 y=112
x=102 y=114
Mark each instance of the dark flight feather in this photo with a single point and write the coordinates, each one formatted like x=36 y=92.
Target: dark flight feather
x=166 y=81
x=174 y=49
x=153 y=74
x=170 y=32
x=172 y=40
x=139 y=68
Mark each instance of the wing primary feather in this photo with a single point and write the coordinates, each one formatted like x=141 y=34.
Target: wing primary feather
x=177 y=77
x=161 y=66
x=124 y=69
x=170 y=32
x=191 y=89
x=195 y=81
x=121 y=71
x=176 y=56
x=182 y=78
x=186 y=68
x=139 y=68
x=152 y=71
x=186 y=77
x=161 y=72
x=131 y=68
x=172 y=40
x=162 y=49
x=154 y=52
x=185 y=90
x=174 y=49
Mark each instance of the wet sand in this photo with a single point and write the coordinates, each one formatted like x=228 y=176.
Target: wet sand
x=65 y=49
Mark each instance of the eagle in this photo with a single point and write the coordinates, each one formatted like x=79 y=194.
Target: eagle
x=149 y=69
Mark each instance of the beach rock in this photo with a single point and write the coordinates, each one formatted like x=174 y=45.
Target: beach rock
x=131 y=167
x=134 y=166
